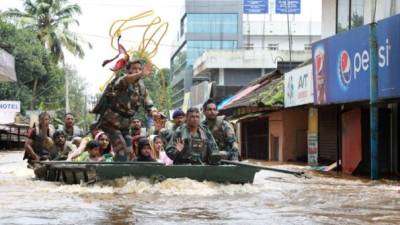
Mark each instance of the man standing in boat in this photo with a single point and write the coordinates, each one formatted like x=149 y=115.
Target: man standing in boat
x=119 y=104
x=222 y=130
x=192 y=143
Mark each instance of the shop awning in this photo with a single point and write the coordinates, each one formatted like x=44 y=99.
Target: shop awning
x=267 y=90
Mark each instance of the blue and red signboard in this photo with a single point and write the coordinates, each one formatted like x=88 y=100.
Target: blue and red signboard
x=341 y=64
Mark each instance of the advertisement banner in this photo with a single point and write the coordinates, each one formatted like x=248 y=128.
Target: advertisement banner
x=255 y=6
x=287 y=6
x=341 y=64
x=299 y=86
x=312 y=137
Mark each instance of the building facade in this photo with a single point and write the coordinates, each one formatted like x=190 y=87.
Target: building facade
x=203 y=25
x=341 y=72
x=231 y=37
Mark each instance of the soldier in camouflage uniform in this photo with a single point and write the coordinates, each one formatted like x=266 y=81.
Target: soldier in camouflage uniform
x=120 y=102
x=192 y=143
x=221 y=130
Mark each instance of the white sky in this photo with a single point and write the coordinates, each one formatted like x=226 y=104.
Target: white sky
x=96 y=20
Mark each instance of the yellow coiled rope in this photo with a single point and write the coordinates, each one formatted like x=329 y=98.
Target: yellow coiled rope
x=155 y=31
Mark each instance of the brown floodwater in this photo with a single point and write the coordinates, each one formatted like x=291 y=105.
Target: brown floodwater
x=274 y=198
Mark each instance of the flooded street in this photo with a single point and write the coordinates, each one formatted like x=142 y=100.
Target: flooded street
x=274 y=198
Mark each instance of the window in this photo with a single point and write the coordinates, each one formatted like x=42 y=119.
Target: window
x=212 y=23
x=196 y=48
x=357 y=13
x=273 y=46
x=183 y=25
x=307 y=47
x=390 y=7
x=350 y=14
x=179 y=60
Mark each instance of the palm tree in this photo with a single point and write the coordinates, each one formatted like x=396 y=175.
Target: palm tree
x=51 y=19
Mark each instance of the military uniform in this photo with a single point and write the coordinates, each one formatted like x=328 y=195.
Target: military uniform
x=119 y=103
x=224 y=136
x=197 y=149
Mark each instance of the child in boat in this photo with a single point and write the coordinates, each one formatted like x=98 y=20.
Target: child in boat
x=157 y=146
x=72 y=156
x=92 y=153
x=144 y=151
x=106 y=149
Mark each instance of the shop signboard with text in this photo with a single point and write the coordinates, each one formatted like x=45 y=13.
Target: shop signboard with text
x=341 y=64
x=299 y=86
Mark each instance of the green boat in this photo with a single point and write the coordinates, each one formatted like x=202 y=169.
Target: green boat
x=90 y=172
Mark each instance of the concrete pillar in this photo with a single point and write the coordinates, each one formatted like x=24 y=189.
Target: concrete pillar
x=221 y=77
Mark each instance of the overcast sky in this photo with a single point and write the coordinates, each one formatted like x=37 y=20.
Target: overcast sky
x=96 y=20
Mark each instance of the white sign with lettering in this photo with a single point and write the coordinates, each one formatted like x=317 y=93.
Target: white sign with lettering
x=8 y=110
x=299 y=86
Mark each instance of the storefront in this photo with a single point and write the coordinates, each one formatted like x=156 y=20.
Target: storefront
x=341 y=72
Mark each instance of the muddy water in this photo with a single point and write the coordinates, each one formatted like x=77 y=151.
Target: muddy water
x=273 y=199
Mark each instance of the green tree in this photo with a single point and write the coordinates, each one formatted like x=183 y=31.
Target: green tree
x=39 y=78
x=52 y=20
x=160 y=92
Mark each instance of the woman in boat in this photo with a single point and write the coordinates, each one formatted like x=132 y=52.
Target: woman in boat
x=39 y=140
x=158 y=152
x=145 y=151
x=106 y=149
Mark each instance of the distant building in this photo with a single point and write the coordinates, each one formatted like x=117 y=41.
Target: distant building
x=203 y=25
x=221 y=42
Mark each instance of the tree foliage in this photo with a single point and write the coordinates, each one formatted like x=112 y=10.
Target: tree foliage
x=160 y=92
x=51 y=19
x=33 y=66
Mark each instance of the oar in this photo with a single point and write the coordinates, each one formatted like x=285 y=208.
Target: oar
x=296 y=173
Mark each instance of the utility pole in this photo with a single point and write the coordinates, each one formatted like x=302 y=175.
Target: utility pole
x=289 y=34
x=373 y=46
x=66 y=94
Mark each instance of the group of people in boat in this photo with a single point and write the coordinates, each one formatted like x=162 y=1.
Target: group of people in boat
x=117 y=135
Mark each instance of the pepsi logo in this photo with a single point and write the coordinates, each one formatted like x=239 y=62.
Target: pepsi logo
x=319 y=60
x=344 y=68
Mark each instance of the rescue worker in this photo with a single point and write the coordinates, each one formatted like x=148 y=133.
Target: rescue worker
x=192 y=143
x=120 y=102
x=221 y=130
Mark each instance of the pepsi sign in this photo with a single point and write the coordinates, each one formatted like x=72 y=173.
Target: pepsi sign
x=341 y=64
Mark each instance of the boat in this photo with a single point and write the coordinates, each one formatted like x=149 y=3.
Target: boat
x=91 y=172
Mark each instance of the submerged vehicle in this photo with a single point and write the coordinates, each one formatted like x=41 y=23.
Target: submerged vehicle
x=90 y=172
